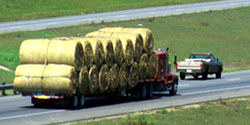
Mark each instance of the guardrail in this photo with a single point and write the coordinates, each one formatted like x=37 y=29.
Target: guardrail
x=5 y=87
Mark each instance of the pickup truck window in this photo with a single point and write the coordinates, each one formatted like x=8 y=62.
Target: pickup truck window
x=212 y=56
x=195 y=56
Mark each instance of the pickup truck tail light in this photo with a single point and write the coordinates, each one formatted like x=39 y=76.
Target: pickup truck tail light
x=202 y=66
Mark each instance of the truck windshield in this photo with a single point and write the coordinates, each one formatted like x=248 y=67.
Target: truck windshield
x=199 y=56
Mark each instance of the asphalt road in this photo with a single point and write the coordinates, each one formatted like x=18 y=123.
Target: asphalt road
x=19 y=110
x=120 y=15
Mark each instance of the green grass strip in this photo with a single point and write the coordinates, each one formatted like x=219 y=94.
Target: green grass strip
x=12 y=10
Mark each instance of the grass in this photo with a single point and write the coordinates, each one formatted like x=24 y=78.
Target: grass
x=6 y=76
x=224 y=112
x=12 y=10
x=223 y=33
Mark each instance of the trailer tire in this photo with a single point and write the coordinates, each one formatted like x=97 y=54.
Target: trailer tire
x=196 y=76
x=81 y=100
x=36 y=102
x=218 y=74
x=143 y=92
x=182 y=76
x=174 y=89
x=204 y=76
x=72 y=102
x=150 y=90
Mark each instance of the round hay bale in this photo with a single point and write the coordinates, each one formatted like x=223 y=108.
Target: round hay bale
x=41 y=78
x=123 y=76
x=104 y=78
x=83 y=86
x=114 y=77
x=87 y=50
x=99 y=33
x=147 y=36
x=117 y=45
x=136 y=40
x=43 y=51
x=143 y=66
x=133 y=77
x=112 y=29
x=153 y=65
x=108 y=49
x=66 y=52
x=98 y=51
x=93 y=79
x=128 y=52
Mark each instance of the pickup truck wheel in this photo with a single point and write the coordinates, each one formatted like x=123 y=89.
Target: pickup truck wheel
x=218 y=75
x=204 y=76
x=173 y=91
x=196 y=76
x=182 y=76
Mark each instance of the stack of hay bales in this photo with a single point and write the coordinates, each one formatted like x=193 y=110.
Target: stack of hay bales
x=107 y=60
x=49 y=65
x=138 y=57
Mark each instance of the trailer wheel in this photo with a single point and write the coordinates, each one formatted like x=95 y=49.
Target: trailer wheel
x=81 y=100
x=150 y=91
x=173 y=91
x=72 y=102
x=182 y=76
x=36 y=102
x=143 y=92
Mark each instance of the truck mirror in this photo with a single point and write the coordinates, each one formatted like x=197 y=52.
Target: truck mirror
x=175 y=59
x=169 y=68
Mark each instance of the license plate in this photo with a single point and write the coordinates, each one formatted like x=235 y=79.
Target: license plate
x=189 y=70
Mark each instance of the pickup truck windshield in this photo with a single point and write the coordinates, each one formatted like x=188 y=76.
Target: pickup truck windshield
x=192 y=56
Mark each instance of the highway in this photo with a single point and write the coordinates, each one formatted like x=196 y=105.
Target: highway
x=39 y=24
x=19 y=110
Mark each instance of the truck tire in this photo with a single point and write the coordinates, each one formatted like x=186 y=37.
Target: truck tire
x=174 y=89
x=143 y=92
x=204 y=76
x=37 y=103
x=81 y=100
x=72 y=102
x=182 y=76
x=218 y=74
x=196 y=76
x=150 y=91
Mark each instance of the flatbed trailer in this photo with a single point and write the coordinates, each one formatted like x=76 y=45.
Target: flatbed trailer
x=164 y=80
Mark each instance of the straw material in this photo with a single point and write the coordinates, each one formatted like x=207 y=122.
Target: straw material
x=104 y=78
x=41 y=78
x=108 y=49
x=93 y=79
x=128 y=52
x=147 y=36
x=83 y=86
x=98 y=50
x=127 y=44
x=87 y=50
x=133 y=77
x=143 y=66
x=136 y=40
x=45 y=51
x=114 y=77
x=153 y=65
x=123 y=76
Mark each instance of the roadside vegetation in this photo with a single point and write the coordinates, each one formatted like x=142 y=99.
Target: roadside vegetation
x=13 y=10
x=224 y=112
x=223 y=33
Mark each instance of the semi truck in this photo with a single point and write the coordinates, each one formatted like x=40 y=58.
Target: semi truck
x=164 y=80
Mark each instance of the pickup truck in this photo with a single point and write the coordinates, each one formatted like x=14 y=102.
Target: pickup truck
x=200 y=64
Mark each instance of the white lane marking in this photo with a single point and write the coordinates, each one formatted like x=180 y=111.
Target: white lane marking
x=207 y=6
x=235 y=79
x=15 y=27
x=218 y=90
x=10 y=97
x=52 y=23
x=40 y=113
x=150 y=13
x=178 y=9
x=181 y=85
x=120 y=16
